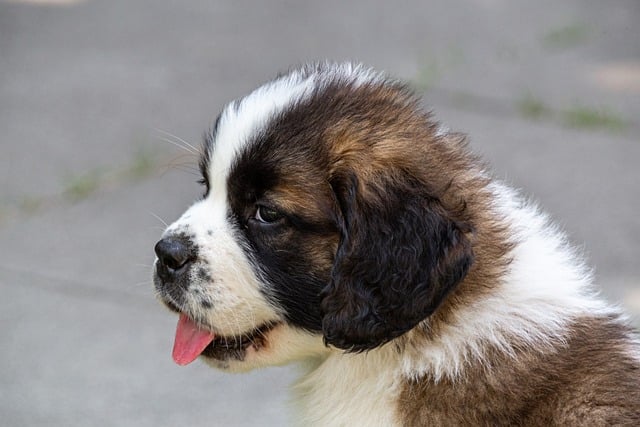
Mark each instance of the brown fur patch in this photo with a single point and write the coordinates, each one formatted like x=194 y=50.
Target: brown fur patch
x=391 y=136
x=592 y=380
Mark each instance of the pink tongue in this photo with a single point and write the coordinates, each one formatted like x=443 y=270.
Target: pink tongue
x=190 y=341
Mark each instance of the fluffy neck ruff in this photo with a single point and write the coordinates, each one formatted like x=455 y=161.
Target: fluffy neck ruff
x=526 y=289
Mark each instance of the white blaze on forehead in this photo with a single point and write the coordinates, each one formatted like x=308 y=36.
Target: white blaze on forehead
x=243 y=119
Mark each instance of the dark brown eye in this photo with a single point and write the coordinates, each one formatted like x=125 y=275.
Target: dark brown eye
x=267 y=215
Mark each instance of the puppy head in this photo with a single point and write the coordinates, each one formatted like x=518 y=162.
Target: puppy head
x=330 y=213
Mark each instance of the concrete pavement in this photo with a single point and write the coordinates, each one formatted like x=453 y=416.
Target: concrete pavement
x=548 y=91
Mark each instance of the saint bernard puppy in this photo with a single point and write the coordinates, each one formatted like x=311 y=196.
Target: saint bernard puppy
x=342 y=228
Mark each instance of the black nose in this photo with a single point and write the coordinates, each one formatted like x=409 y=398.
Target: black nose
x=174 y=254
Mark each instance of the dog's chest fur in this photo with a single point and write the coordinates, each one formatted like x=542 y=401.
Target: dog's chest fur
x=344 y=388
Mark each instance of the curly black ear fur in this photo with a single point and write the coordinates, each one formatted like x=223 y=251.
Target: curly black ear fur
x=399 y=256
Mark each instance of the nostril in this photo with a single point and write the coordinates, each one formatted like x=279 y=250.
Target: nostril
x=173 y=253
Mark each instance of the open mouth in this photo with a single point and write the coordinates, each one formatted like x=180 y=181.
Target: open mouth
x=191 y=341
x=225 y=348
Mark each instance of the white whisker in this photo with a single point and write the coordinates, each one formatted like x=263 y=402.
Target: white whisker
x=189 y=150
x=184 y=145
x=159 y=219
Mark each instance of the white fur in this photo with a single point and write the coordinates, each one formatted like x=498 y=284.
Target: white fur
x=350 y=390
x=234 y=289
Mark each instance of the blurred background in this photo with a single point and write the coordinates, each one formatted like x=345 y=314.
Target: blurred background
x=97 y=97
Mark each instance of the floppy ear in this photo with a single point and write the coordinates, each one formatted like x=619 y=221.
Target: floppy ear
x=399 y=256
